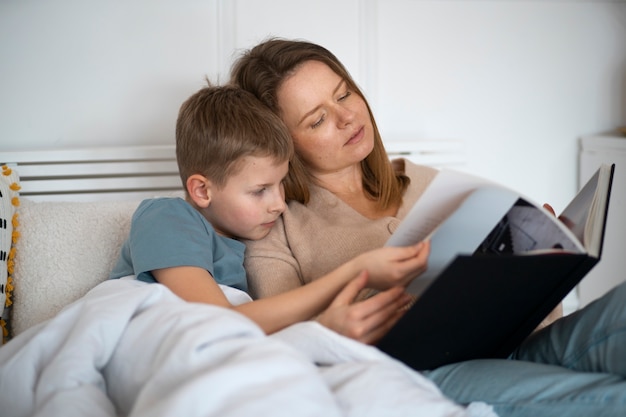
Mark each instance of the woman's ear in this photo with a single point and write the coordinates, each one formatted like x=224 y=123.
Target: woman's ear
x=199 y=190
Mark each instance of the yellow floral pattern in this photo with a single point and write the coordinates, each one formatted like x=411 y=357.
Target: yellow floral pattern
x=9 y=201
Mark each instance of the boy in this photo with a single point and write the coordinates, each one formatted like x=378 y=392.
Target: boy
x=233 y=154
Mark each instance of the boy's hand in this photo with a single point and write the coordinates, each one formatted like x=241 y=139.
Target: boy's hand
x=394 y=266
x=366 y=321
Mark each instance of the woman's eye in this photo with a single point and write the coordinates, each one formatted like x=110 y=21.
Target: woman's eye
x=319 y=122
x=260 y=191
x=345 y=96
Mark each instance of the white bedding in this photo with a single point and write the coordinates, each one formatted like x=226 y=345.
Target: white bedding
x=134 y=349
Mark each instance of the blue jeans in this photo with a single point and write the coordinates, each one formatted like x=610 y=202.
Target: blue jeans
x=575 y=367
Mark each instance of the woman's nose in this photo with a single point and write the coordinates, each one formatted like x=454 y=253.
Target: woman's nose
x=345 y=116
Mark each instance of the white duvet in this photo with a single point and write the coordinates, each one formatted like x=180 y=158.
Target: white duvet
x=134 y=349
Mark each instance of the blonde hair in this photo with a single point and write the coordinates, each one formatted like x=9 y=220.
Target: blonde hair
x=262 y=69
x=219 y=125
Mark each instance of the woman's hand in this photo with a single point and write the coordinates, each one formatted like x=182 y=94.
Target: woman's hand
x=549 y=208
x=366 y=321
x=394 y=266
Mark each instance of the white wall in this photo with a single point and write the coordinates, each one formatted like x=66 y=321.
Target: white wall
x=518 y=81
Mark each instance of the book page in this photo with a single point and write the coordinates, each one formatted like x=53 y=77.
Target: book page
x=443 y=196
x=527 y=230
x=440 y=199
x=576 y=213
x=585 y=215
x=464 y=230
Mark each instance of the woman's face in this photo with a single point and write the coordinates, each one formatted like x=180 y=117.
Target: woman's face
x=329 y=123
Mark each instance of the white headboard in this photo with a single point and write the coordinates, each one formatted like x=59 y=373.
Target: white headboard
x=96 y=174
x=438 y=153
x=137 y=172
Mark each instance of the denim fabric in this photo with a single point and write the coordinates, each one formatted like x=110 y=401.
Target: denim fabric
x=575 y=367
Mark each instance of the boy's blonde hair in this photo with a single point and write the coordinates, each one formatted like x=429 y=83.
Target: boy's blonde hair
x=219 y=125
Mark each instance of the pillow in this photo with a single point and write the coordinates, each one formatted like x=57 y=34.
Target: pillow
x=64 y=250
x=9 y=192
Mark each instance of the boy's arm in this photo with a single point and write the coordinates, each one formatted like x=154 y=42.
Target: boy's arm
x=195 y=284
x=192 y=284
x=304 y=303
x=272 y=314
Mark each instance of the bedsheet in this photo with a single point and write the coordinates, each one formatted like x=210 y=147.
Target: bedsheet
x=133 y=349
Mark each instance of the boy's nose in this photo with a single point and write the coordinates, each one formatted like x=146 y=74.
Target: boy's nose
x=278 y=205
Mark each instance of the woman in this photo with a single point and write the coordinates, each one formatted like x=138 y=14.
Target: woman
x=345 y=197
x=341 y=229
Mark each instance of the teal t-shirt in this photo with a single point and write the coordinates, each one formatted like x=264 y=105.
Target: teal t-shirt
x=169 y=232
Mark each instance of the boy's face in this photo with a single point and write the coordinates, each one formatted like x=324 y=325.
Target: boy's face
x=249 y=204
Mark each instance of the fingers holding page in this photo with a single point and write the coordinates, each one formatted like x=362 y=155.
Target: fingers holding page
x=549 y=208
x=395 y=266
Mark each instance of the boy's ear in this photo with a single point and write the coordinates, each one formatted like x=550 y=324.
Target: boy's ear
x=199 y=189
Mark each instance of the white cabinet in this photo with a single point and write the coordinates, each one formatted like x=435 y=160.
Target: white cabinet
x=611 y=270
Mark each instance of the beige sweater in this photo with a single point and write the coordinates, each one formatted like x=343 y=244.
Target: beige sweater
x=310 y=241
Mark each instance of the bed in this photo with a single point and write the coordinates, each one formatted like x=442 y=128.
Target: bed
x=76 y=343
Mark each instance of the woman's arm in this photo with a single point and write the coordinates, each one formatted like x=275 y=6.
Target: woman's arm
x=271 y=266
x=268 y=275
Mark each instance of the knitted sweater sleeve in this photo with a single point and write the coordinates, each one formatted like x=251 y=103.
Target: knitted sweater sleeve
x=271 y=266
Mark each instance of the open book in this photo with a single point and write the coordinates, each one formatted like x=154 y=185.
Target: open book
x=499 y=264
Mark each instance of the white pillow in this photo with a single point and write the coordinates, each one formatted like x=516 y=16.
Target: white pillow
x=64 y=250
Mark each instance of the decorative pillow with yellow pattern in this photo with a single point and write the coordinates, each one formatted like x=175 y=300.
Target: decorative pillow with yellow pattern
x=9 y=193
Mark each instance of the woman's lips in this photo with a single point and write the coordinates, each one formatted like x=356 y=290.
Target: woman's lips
x=356 y=137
